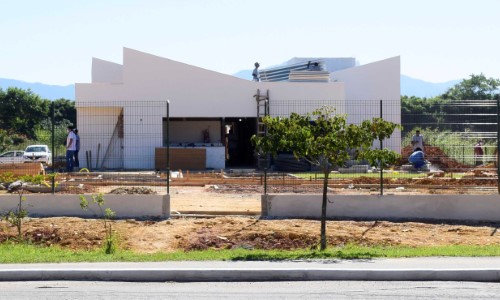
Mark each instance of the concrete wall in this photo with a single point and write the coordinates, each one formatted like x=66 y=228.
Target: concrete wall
x=125 y=206
x=439 y=207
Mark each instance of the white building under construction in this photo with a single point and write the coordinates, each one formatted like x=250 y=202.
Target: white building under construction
x=122 y=113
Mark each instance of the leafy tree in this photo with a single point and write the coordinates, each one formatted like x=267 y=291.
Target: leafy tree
x=477 y=87
x=21 y=111
x=325 y=140
x=65 y=112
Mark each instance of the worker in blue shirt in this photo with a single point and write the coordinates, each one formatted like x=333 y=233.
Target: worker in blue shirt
x=417 y=158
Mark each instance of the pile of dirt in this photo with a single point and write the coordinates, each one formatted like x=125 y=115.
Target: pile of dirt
x=246 y=232
x=436 y=156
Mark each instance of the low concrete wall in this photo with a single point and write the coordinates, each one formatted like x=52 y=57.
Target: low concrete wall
x=125 y=206
x=439 y=207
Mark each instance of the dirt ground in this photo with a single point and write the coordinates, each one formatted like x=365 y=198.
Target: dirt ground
x=189 y=233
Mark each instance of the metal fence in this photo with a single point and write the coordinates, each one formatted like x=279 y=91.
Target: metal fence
x=451 y=129
x=120 y=142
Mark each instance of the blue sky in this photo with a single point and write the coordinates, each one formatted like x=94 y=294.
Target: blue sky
x=53 y=41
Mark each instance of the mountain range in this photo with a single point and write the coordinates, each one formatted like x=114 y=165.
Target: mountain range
x=46 y=91
x=409 y=87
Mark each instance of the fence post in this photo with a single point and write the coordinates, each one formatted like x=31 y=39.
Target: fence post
x=380 y=163
x=168 y=147
x=265 y=180
x=53 y=108
x=498 y=146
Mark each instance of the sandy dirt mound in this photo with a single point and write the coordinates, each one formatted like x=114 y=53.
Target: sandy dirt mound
x=247 y=232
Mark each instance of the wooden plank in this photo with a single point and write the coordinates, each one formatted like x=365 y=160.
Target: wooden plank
x=181 y=158
x=20 y=169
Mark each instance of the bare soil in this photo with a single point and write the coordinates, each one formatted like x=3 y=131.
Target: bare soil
x=189 y=233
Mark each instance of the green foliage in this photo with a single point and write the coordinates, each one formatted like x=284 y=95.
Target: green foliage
x=381 y=158
x=35 y=179
x=456 y=145
x=44 y=135
x=106 y=214
x=324 y=139
x=477 y=87
x=25 y=118
x=21 y=111
x=65 y=112
x=7 y=177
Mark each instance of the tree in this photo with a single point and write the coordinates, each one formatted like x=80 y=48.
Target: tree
x=478 y=87
x=65 y=112
x=325 y=140
x=21 y=111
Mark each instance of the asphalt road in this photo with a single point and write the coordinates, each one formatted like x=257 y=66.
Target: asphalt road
x=249 y=290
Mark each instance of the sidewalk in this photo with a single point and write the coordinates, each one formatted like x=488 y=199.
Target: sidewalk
x=405 y=269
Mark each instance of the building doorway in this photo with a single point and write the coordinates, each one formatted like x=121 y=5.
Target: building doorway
x=239 y=148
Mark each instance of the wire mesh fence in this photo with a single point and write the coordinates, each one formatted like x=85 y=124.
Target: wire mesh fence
x=122 y=147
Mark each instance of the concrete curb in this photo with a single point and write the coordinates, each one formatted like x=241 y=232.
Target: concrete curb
x=249 y=274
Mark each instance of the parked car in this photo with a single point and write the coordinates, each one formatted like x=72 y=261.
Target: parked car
x=38 y=153
x=14 y=156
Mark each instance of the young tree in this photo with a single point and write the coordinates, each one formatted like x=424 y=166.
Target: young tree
x=325 y=140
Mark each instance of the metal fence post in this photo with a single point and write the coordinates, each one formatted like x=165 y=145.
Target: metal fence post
x=498 y=146
x=53 y=108
x=380 y=164
x=168 y=147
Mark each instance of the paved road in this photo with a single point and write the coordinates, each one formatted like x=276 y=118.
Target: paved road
x=249 y=290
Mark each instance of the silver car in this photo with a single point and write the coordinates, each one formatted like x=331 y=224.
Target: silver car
x=14 y=156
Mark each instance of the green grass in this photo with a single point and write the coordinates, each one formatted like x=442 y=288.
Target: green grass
x=25 y=253
x=371 y=175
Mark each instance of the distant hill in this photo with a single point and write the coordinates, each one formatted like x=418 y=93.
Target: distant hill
x=409 y=86
x=420 y=88
x=50 y=92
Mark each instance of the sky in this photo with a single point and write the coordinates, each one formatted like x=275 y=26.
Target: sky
x=53 y=41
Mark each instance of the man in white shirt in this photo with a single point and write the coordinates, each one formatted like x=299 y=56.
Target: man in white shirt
x=70 y=149
x=417 y=141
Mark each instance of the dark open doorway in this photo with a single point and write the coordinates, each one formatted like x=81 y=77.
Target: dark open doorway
x=240 y=151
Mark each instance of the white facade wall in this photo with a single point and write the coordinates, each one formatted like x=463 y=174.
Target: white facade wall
x=95 y=128
x=106 y=72
x=143 y=132
x=366 y=85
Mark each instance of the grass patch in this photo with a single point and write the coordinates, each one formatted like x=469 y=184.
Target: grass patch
x=26 y=253
x=392 y=175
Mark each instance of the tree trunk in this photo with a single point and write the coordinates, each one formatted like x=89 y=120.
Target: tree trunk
x=323 y=210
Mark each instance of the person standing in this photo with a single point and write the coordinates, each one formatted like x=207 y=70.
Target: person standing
x=70 y=149
x=77 y=148
x=255 y=73
x=417 y=141
x=478 y=153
